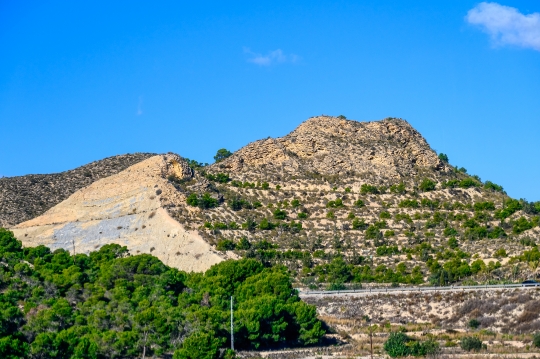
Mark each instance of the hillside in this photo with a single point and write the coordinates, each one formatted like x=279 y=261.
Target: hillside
x=339 y=202
x=26 y=197
x=127 y=208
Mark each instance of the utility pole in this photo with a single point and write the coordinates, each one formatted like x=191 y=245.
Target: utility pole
x=232 y=325
x=73 y=242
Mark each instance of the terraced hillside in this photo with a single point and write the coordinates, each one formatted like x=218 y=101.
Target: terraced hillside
x=26 y=197
x=343 y=202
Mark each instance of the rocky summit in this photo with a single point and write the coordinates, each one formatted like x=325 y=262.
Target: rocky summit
x=337 y=201
x=387 y=150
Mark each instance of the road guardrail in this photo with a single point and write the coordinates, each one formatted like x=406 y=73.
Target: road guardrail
x=416 y=289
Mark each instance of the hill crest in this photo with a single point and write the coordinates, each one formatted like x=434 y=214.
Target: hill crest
x=387 y=150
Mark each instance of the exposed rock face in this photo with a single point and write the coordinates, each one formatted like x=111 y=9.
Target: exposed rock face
x=26 y=197
x=127 y=209
x=390 y=149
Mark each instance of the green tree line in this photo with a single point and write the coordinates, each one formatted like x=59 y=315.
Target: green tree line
x=110 y=304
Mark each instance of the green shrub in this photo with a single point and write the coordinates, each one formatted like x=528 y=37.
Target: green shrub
x=527 y=241
x=403 y=217
x=373 y=232
x=450 y=183
x=192 y=200
x=335 y=204
x=385 y=215
x=387 y=250
x=330 y=215
x=493 y=187
x=409 y=203
x=396 y=345
x=205 y=201
x=450 y=232
x=496 y=232
x=243 y=244
x=484 y=206
x=511 y=206
x=266 y=225
x=453 y=243
x=532 y=255
x=280 y=214
x=521 y=225
x=302 y=215
x=359 y=223
x=220 y=225
x=225 y=245
x=295 y=203
x=471 y=343
x=368 y=189
x=468 y=183
x=237 y=203
x=427 y=185
x=336 y=286
x=431 y=204
x=473 y=323
x=443 y=157
x=249 y=224
x=398 y=188
x=536 y=340
x=265 y=185
x=359 y=203
x=500 y=253
x=399 y=344
x=220 y=177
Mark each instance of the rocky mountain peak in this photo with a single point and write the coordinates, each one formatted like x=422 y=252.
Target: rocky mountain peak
x=390 y=149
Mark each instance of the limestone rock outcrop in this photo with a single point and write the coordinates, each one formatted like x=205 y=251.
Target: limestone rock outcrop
x=390 y=149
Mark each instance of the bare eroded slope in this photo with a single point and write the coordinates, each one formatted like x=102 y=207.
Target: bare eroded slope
x=126 y=209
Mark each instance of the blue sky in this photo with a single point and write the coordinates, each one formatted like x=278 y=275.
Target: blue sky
x=80 y=81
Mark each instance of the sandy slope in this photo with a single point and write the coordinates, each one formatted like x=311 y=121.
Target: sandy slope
x=126 y=209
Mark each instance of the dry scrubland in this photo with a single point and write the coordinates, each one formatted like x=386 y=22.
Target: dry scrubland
x=506 y=320
x=334 y=196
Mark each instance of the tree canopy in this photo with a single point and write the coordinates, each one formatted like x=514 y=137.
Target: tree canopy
x=221 y=154
x=110 y=304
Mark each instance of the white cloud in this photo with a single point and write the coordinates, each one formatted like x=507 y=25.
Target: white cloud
x=506 y=25
x=273 y=57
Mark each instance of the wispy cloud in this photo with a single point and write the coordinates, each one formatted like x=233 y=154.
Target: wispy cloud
x=506 y=25
x=272 y=57
x=139 y=106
